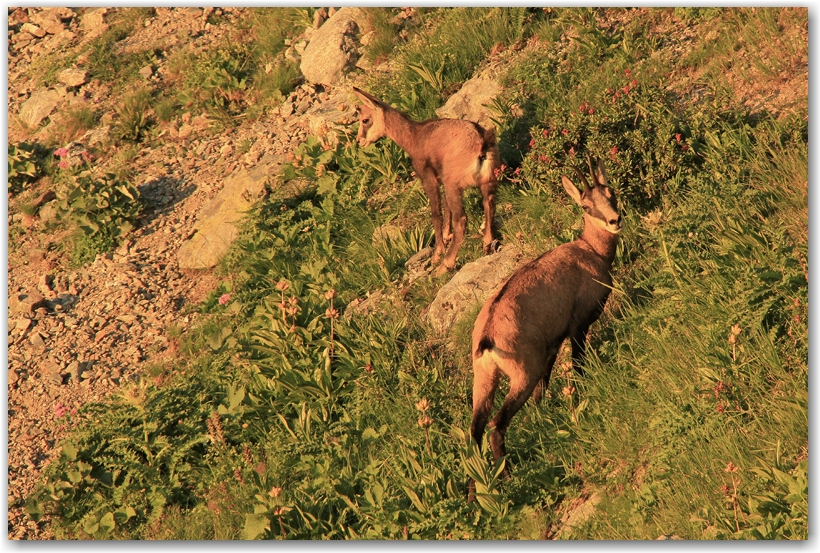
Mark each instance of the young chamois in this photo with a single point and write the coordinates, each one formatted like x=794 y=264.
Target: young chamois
x=458 y=153
x=520 y=329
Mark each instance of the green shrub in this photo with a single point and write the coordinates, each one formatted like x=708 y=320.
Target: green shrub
x=648 y=150
x=24 y=166
x=133 y=116
x=104 y=209
x=216 y=80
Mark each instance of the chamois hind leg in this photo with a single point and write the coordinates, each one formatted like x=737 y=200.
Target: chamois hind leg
x=522 y=383
x=429 y=182
x=488 y=194
x=447 y=230
x=542 y=385
x=454 y=197
x=485 y=384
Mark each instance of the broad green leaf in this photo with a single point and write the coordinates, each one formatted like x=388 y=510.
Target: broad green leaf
x=255 y=526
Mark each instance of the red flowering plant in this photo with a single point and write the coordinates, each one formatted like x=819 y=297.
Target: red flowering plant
x=633 y=128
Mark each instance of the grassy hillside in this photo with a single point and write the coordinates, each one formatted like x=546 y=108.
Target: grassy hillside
x=282 y=419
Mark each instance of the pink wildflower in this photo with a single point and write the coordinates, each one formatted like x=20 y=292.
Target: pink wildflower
x=61 y=152
x=60 y=410
x=532 y=143
x=564 y=132
x=224 y=298
x=545 y=133
x=63 y=164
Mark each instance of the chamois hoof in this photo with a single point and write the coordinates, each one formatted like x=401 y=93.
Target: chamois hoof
x=443 y=269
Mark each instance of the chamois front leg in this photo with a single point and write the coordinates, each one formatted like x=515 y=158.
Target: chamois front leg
x=488 y=194
x=459 y=221
x=579 y=344
x=429 y=183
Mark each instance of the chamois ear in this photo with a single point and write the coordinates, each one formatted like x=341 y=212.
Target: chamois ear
x=366 y=98
x=571 y=189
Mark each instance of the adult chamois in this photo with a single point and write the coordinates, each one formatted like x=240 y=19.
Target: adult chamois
x=520 y=329
x=457 y=153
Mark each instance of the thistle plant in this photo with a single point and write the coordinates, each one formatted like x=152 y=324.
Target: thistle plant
x=331 y=314
x=731 y=468
x=283 y=285
x=425 y=421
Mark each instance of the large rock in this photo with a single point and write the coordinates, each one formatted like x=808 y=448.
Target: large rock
x=470 y=102
x=334 y=48
x=326 y=118
x=217 y=224
x=472 y=285
x=39 y=106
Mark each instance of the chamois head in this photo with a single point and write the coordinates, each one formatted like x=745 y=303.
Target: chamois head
x=371 y=119
x=597 y=200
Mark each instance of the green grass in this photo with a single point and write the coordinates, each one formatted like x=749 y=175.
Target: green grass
x=105 y=63
x=281 y=421
x=433 y=65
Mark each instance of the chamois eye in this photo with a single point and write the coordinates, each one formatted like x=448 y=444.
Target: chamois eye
x=586 y=208
x=366 y=121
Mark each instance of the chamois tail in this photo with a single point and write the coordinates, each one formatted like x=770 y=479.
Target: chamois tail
x=483 y=345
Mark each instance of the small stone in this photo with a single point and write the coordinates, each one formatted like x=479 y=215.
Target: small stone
x=76 y=369
x=51 y=372
x=93 y=21
x=26 y=302
x=33 y=30
x=48 y=213
x=185 y=130
x=37 y=341
x=73 y=77
x=21 y=325
x=13 y=377
x=45 y=282
x=147 y=71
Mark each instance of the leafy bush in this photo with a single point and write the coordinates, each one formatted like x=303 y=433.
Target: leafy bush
x=24 y=166
x=104 y=209
x=108 y=485
x=647 y=148
x=217 y=79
